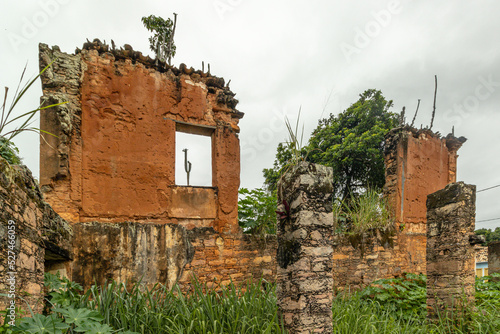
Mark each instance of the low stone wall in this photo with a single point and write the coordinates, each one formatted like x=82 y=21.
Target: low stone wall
x=219 y=258
x=31 y=236
x=359 y=260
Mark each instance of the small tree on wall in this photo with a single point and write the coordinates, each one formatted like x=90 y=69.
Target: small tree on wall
x=162 y=41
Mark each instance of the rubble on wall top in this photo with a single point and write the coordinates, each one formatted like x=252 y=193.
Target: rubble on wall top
x=215 y=85
x=453 y=143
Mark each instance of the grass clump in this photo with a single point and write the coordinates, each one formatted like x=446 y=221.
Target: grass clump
x=363 y=213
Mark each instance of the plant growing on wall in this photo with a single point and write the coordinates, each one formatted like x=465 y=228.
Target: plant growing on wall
x=362 y=213
x=7 y=120
x=162 y=41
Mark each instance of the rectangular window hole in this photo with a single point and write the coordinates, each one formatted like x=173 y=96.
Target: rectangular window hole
x=199 y=157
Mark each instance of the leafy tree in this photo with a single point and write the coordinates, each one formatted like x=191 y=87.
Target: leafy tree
x=489 y=234
x=351 y=143
x=257 y=211
x=162 y=41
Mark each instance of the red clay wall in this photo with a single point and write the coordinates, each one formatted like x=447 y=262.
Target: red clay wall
x=122 y=147
x=418 y=163
x=111 y=171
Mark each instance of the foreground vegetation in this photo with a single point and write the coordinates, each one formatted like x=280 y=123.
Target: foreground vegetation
x=387 y=306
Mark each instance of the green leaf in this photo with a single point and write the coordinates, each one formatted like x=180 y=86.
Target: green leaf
x=40 y=324
x=79 y=316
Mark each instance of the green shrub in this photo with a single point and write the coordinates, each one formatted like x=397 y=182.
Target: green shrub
x=405 y=296
x=61 y=314
x=257 y=211
x=488 y=290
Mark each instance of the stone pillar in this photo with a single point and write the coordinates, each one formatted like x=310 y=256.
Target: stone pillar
x=305 y=228
x=494 y=257
x=450 y=255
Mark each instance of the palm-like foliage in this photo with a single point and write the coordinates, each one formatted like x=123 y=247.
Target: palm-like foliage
x=8 y=118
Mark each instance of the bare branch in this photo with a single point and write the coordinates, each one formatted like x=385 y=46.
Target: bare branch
x=171 y=41
x=415 y=116
x=434 y=107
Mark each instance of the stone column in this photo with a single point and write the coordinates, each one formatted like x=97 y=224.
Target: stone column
x=494 y=257
x=450 y=255
x=304 y=256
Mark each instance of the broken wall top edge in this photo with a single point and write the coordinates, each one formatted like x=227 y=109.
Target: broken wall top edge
x=216 y=85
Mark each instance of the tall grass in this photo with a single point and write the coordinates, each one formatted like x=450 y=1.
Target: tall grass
x=160 y=310
x=386 y=308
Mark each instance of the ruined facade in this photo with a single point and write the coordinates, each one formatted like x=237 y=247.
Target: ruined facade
x=111 y=171
x=33 y=239
x=418 y=163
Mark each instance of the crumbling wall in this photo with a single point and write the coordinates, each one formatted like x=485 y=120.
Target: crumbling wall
x=362 y=259
x=418 y=162
x=450 y=255
x=168 y=253
x=111 y=172
x=481 y=253
x=221 y=258
x=33 y=238
x=118 y=130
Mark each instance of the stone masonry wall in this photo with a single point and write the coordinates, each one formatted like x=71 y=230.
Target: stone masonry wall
x=481 y=253
x=221 y=259
x=450 y=255
x=168 y=253
x=418 y=162
x=304 y=279
x=31 y=234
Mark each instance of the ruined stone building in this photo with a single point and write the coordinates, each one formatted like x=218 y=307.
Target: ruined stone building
x=418 y=163
x=111 y=172
x=115 y=211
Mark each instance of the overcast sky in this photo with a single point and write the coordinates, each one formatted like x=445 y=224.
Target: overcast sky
x=284 y=55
